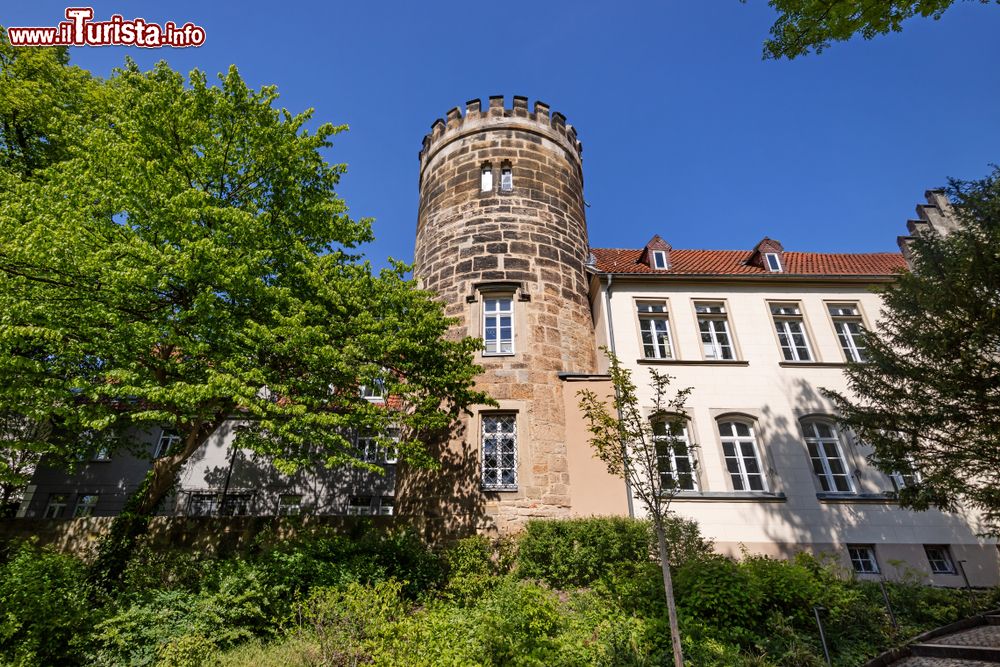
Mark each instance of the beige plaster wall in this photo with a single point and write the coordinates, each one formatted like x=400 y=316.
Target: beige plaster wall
x=775 y=396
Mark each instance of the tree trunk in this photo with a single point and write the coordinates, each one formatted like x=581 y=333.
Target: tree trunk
x=668 y=589
x=117 y=546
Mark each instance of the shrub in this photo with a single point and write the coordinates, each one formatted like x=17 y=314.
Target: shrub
x=347 y=623
x=578 y=552
x=46 y=610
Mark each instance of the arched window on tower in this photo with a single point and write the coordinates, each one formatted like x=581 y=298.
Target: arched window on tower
x=506 y=177
x=486 y=177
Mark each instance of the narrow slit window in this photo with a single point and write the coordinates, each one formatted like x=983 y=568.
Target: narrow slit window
x=486 y=178
x=506 y=179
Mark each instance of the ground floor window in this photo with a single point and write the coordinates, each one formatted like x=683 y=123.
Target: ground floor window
x=863 y=558
x=202 y=504
x=499 y=452
x=939 y=557
x=56 y=507
x=236 y=504
x=85 y=505
x=289 y=504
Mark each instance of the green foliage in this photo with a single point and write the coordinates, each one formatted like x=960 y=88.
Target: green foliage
x=181 y=250
x=475 y=565
x=811 y=25
x=347 y=623
x=930 y=381
x=46 y=613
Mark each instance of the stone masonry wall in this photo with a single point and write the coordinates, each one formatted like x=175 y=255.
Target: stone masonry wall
x=535 y=236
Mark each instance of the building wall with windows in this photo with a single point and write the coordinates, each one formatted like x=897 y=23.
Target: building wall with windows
x=218 y=480
x=772 y=472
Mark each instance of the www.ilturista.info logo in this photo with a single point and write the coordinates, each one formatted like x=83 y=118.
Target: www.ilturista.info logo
x=80 y=30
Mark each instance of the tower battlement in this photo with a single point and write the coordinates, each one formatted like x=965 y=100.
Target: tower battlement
x=539 y=120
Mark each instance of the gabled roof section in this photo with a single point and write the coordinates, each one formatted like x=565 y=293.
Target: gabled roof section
x=736 y=263
x=655 y=244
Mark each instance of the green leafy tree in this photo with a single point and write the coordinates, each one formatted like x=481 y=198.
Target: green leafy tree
x=811 y=25
x=184 y=260
x=636 y=446
x=928 y=398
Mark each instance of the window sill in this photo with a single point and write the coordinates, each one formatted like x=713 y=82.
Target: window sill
x=510 y=488
x=827 y=497
x=730 y=497
x=812 y=364
x=694 y=362
x=494 y=355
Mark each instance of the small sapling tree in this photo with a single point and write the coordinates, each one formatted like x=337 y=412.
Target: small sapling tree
x=646 y=445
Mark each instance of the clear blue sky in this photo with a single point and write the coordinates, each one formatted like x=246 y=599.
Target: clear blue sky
x=687 y=132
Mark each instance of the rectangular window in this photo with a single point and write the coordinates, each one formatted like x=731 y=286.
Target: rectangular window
x=498 y=325
x=85 y=505
x=370 y=451
x=673 y=456
x=289 y=504
x=56 y=507
x=166 y=442
x=773 y=262
x=359 y=506
x=500 y=452
x=791 y=331
x=386 y=505
x=373 y=391
x=486 y=181
x=202 y=504
x=863 y=558
x=654 y=327
x=742 y=461
x=506 y=179
x=659 y=259
x=901 y=480
x=827 y=459
x=236 y=504
x=848 y=325
x=939 y=557
x=714 y=327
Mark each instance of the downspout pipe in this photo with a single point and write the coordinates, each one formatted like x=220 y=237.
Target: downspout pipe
x=611 y=346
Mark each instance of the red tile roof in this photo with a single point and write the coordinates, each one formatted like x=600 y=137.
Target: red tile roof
x=733 y=262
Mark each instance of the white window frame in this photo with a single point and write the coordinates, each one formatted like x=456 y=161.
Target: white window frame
x=166 y=440
x=816 y=442
x=374 y=391
x=783 y=322
x=369 y=449
x=716 y=317
x=900 y=482
x=286 y=508
x=386 y=506
x=660 y=260
x=774 y=267
x=86 y=503
x=202 y=504
x=658 y=338
x=498 y=343
x=841 y=327
x=356 y=506
x=56 y=506
x=493 y=450
x=941 y=562
x=671 y=457
x=863 y=558
x=739 y=457
x=486 y=178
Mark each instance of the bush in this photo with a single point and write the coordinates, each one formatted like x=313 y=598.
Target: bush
x=349 y=623
x=46 y=609
x=578 y=552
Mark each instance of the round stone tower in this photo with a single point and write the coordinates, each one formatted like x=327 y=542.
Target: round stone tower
x=502 y=240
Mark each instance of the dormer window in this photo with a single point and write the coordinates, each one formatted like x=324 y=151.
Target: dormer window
x=506 y=178
x=773 y=262
x=656 y=254
x=486 y=178
x=659 y=259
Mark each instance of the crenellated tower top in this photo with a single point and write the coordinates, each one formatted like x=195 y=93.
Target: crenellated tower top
x=539 y=121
